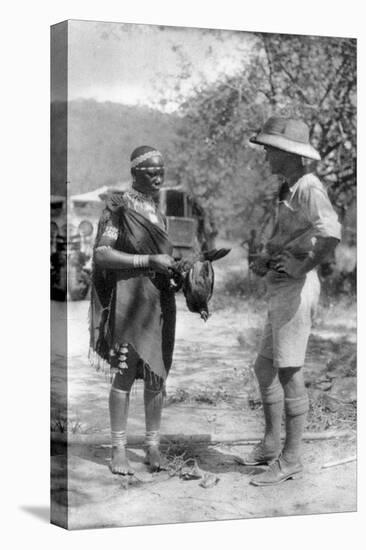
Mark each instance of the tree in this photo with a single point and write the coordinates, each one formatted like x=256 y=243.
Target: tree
x=309 y=77
x=315 y=78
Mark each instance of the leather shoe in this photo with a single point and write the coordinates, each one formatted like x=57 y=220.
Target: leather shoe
x=257 y=457
x=277 y=472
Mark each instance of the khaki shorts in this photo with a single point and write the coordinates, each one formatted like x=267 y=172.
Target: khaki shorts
x=291 y=311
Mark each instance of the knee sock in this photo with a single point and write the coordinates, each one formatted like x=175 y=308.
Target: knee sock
x=296 y=411
x=272 y=399
x=118 y=411
x=153 y=401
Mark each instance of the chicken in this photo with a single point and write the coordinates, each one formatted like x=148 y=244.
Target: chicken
x=196 y=275
x=198 y=286
x=185 y=264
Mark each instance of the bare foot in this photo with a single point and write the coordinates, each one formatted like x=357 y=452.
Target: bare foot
x=119 y=462
x=153 y=458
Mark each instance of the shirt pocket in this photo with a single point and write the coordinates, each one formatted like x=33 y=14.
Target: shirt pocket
x=292 y=220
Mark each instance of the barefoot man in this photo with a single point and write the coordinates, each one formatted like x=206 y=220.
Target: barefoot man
x=133 y=304
x=306 y=232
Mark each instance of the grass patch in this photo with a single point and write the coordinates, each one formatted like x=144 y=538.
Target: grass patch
x=63 y=425
x=180 y=457
x=203 y=396
x=326 y=414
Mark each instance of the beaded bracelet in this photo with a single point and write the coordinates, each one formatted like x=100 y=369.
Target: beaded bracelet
x=141 y=260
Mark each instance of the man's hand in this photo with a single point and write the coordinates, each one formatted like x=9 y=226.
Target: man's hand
x=287 y=263
x=260 y=265
x=162 y=263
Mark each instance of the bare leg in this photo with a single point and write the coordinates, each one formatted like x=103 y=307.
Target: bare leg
x=118 y=410
x=153 y=401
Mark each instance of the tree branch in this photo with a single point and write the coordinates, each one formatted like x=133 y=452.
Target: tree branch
x=331 y=148
x=272 y=96
x=295 y=83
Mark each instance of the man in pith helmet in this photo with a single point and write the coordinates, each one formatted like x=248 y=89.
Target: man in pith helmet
x=306 y=231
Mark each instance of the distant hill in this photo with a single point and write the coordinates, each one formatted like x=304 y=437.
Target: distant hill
x=101 y=139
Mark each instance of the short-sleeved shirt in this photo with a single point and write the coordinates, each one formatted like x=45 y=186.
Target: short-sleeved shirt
x=304 y=215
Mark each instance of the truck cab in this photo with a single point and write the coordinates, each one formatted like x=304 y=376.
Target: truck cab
x=179 y=209
x=72 y=242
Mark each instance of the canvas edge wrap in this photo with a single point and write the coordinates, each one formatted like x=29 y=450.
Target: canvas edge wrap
x=58 y=138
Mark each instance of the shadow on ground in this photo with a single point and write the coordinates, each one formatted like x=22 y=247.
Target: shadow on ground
x=40 y=512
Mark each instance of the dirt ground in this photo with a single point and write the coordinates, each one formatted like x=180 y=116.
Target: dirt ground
x=212 y=395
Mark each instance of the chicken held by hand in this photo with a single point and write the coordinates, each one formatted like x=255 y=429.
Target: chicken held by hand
x=198 y=279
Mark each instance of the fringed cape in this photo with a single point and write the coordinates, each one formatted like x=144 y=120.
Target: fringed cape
x=130 y=306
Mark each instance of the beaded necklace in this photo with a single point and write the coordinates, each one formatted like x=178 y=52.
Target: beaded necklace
x=144 y=203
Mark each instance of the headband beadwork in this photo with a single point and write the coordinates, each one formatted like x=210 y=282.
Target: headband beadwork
x=138 y=160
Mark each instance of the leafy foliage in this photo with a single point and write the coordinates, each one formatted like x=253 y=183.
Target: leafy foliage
x=313 y=78
x=206 y=142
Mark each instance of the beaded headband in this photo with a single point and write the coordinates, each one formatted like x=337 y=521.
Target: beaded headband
x=138 y=160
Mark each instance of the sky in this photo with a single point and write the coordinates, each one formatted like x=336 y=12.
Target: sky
x=127 y=63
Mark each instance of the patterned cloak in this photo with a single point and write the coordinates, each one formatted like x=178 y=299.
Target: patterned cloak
x=133 y=307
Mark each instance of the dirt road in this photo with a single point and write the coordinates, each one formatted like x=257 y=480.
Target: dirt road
x=210 y=393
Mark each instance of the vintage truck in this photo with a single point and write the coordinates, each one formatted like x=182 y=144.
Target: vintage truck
x=185 y=224
x=179 y=208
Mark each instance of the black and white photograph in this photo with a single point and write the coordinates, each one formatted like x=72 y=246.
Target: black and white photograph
x=203 y=274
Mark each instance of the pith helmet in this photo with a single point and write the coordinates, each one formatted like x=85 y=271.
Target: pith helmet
x=287 y=134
